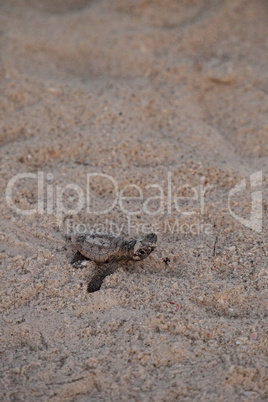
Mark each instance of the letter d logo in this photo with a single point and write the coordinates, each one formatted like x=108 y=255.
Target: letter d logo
x=255 y=221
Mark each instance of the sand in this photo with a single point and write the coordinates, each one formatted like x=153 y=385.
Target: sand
x=169 y=96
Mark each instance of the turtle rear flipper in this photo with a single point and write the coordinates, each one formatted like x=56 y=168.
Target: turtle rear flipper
x=98 y=276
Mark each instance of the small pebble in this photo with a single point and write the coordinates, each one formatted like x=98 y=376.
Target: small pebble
x=253 y=336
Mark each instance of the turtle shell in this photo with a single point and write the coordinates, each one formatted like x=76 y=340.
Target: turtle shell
x=101 y=248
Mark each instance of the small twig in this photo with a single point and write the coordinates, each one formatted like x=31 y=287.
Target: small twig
x=214 y=247
x=178 y=306
x=81 y=163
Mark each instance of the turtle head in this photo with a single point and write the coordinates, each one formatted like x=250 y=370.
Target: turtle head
x=144 y=247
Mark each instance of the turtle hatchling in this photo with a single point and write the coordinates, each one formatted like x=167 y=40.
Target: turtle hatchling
x=107 y=250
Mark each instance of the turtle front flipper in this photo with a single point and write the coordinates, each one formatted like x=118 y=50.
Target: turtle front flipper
x=77 y=260
x=98 y=276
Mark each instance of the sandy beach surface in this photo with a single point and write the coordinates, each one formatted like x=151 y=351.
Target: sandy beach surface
x=130 y=117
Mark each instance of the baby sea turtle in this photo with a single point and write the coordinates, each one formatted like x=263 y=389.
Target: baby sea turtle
x=106 y=250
